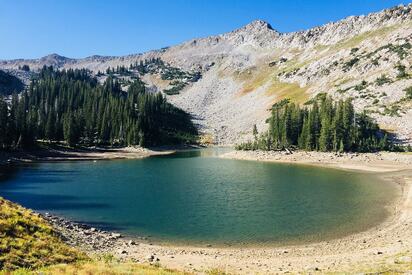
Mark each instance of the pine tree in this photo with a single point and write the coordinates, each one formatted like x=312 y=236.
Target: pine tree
x=255 y=132
x=50 y=126
x=330 y=127
x=4 y=124
x=325 y=139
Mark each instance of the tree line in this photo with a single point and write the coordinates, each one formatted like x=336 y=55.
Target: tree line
x=321 y=125
x=71 y=106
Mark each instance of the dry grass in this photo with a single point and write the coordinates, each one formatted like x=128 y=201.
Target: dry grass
x=99 y=268
x=206 y=139
x=388 y=265
x=261 y=77
x=292 y=91
x=254 y=79
x=27 y=241
x=356 y=40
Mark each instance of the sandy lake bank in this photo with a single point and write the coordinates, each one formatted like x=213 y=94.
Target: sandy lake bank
x=61 y=153
x=369 y=162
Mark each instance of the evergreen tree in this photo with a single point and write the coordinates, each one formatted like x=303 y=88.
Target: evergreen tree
x=71 y=105
x=4 y=123
x=330 y=127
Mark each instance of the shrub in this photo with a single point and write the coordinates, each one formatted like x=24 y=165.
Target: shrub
x=354 y=50
x=401 y=71
x=348 y=65
x=408 y=91
x=383 y=79
x=361 y=86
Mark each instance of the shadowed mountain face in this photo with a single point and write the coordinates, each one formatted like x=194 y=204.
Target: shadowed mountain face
x=245 y=71
x=9 y=83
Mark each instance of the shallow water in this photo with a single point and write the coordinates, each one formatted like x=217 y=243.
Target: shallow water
x=194 y=197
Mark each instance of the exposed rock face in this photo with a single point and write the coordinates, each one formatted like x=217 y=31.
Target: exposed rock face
x=245 y=71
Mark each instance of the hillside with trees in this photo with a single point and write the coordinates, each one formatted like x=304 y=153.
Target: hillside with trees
x=322 y=125
x=72 y=106
x=9 y=83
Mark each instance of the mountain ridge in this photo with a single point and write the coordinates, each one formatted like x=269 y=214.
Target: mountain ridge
x=248 y=69
x=390 y=15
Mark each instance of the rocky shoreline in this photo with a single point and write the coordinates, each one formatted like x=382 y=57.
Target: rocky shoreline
x=95 y=241
x=86 y=237
x=90 y=239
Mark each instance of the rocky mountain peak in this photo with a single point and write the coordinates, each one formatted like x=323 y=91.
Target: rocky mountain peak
x=55 y=60
x=258 y=33
x=55 y=56
x=258 y=25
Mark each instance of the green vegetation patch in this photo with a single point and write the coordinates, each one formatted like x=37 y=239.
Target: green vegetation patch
x=382 y=80
x=408 y=93
x=179 y=77
x=361 y=86
x=401 y=50
x=402 y=74
x=323 y=126
x=72 y=106
x=348 y=65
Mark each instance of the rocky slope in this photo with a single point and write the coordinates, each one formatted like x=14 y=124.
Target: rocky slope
x=245 y=71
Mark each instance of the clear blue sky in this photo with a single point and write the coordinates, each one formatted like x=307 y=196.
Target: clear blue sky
x=79 y=28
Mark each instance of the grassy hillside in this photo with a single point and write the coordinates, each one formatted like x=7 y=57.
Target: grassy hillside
x=26 y=240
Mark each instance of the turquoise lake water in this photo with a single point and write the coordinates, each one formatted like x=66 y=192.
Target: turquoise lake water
x=194 y=197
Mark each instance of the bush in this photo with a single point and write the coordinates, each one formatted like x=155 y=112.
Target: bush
x=361 y=86
x=401 y=71
x=383 y=79
x=178 y=86
x=348 y=65
x=408 y=91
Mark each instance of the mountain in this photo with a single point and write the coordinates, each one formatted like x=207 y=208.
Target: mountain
x=245 y=71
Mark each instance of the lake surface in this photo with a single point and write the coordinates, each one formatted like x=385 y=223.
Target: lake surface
x=194 y=197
